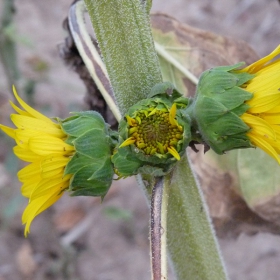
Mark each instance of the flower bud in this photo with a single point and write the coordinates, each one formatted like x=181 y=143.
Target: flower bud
x=153 y=133
x=217 y=107
x=91 y=164
x=238 y=107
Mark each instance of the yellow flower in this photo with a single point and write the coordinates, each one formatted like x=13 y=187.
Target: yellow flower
x=41 y=142
x=155 y=131
x=263 y=115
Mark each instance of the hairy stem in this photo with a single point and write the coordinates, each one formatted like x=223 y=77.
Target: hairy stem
x=158 y=232
x=123 y=32
x=90 y=55
x=191 y=239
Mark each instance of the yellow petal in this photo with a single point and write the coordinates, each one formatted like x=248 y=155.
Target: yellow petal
x=30 y=171
x=275 y=109
x=22 y=137
x=139 y=120
x=260 y=104
x=45 y=145
x=271 y=118
x=173 y=152
x=19 y=111
x=25 y=122
x=29 y=109
x=161 y=148
x=275 y=144
x=276 y=128
x=36 y=206
x=29 y=185
x=264 y=145
x=272 y=66
x=127 y=142
x=130 y=121
x=54 y=165
x=172 y=115
x=259 y=126
x=256 y=66
x=263 y=84
x=45 y=186
x=9 y=131
x=26 y=154
x=173 y=110
x=133 y=129
x=152 y=112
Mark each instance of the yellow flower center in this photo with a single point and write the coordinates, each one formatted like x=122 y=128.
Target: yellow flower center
x=155 y=131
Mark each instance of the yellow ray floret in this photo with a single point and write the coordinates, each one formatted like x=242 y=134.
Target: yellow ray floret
x=41 y=142
x=128 y=142
x=172 y=115
x=173 y=152
x=263 y=115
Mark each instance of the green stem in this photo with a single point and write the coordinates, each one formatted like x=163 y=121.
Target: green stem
x=148 y=5
x=123 y=32
x=90 y=55
x=190 y=237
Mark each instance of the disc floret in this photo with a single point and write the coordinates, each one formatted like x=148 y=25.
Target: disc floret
x=155 y=131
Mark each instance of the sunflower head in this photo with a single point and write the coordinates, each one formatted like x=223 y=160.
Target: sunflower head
x=237 y=107
x=40 y=141
x=154 y=132
x=63 y=155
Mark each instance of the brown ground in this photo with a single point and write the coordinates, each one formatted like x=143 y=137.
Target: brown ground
x=109 y=241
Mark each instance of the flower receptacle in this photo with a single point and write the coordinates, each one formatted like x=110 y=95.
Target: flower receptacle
x=217 y=106
x=91 y=164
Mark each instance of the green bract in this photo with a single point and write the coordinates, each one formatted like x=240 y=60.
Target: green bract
x=217 y=107
x=153 y=133
x=91 y=164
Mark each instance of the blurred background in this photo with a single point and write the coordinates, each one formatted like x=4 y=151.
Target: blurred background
x=78 y=238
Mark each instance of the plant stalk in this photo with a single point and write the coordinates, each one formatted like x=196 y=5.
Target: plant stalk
x=90 y=55
x=158 y=233
x=191 y=240
x=123 y=32
x=124 y=36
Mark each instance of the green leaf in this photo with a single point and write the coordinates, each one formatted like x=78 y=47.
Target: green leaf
x=94 y=143
x=82 y=122
x=90 y=165
x=78 y=161
x=174 y=51
x=259 y=177
x=239 y=94
x=256 y=179
x=161 y=88
x=80 y=183
x=125 y=163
